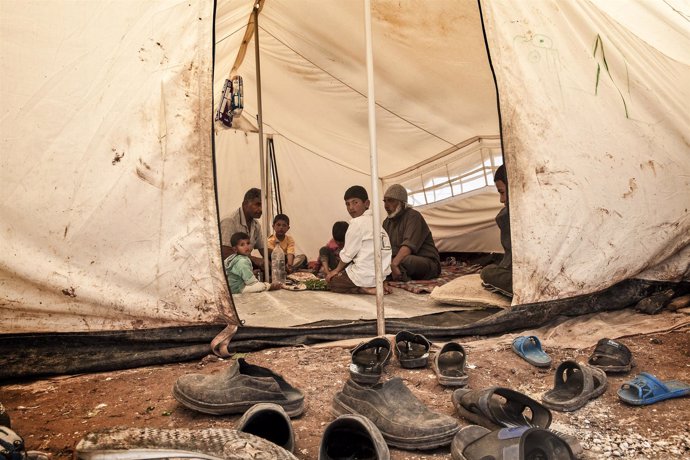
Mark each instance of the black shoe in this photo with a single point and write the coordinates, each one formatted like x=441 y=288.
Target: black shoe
x=404 y=421
x=268 y=421
x=350 y=437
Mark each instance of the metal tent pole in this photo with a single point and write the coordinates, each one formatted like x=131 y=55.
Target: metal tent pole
x=262 y=159
x=376 y=220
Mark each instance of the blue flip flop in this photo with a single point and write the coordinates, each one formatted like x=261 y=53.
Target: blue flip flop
x=529 y=349
x=647 y=389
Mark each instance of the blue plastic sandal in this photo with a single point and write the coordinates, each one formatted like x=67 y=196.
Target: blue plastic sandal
x=529 y=349
x=647 y=389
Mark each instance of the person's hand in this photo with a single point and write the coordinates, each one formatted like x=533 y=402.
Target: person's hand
x=274 y=286
x=396 y=274
x=289 y=269
x=330 y=275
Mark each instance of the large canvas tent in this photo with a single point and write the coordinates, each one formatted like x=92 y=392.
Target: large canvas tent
x=110 y=204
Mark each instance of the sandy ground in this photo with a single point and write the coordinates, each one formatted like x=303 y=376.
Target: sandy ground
x=54 y=414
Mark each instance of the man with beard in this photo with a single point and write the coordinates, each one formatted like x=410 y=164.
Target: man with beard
x=245 y=220
x=414 y=253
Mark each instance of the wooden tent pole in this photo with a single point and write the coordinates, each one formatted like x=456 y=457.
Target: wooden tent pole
x=263 y=164
x=373 y=156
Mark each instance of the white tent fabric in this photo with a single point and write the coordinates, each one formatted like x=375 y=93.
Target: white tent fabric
x=596 y=144
x=108 y=213
x=594 y=129
x=107 y=206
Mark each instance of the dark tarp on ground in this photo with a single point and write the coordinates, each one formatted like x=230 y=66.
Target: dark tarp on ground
x=24 y=356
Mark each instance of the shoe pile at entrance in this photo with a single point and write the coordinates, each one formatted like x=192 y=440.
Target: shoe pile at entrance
x=373 y=412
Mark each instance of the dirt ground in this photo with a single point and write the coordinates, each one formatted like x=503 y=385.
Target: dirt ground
x=54 y=414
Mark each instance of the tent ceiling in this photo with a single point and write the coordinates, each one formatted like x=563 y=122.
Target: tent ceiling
x=433 y=82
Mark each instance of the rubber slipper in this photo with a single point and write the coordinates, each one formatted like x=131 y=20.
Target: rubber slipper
x=368 y=360
x=411 y=349
x=648 y=389
x=498 y=407
x=611 y=356
x=521 y=443
x=529 y=349
x=449 y=365
x=574 y=385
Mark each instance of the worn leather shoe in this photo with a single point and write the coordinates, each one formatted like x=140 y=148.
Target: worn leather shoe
x=404 y=421
x=236 y=389
x=353 y=437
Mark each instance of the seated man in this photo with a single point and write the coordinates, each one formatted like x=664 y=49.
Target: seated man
x=499 y=277
x=414 y=253
x=355 y=273
x=245 y=220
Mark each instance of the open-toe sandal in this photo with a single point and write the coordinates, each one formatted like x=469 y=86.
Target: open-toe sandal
x=529 y=349
x=520 y=443
x=611 y=356
x=498 y=407
x=368 y=360
x=449 y=365
x=574 y=385
x=411 y=349
x=647 y=389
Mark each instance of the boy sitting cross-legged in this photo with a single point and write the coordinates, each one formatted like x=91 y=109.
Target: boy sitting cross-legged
x=238 y=268
x=281 y=225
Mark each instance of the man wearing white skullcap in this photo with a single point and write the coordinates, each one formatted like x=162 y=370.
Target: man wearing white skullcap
x=414 y=253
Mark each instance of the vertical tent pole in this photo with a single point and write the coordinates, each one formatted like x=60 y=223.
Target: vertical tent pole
x=376 y=219
x=263 y=164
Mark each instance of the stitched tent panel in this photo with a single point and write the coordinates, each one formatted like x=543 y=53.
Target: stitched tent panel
x=107 y=209
x=597 y=151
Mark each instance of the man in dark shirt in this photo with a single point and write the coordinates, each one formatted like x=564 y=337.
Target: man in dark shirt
x=499 y=277
x=414 y=253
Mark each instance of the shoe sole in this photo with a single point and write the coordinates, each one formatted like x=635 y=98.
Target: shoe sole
x=339 y=408
x=457 y=382
x=292 y=408
x=146 y=443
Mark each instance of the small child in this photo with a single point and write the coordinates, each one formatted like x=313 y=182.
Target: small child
x=329 y=255
x=281 y=225
x=238 y=267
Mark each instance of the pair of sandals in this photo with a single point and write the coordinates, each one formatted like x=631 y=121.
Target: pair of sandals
x=370 y=357
x=507 y=423
x=608 y=355
x=574 y=383
x=645 y=388
x=412 y=351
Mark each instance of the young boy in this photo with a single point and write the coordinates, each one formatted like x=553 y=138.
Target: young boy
x=238 y=267
x=355 y=272
x=329 y=255
x=281 y=225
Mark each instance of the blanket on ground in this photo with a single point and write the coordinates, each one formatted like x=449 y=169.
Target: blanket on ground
x=448 y=273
